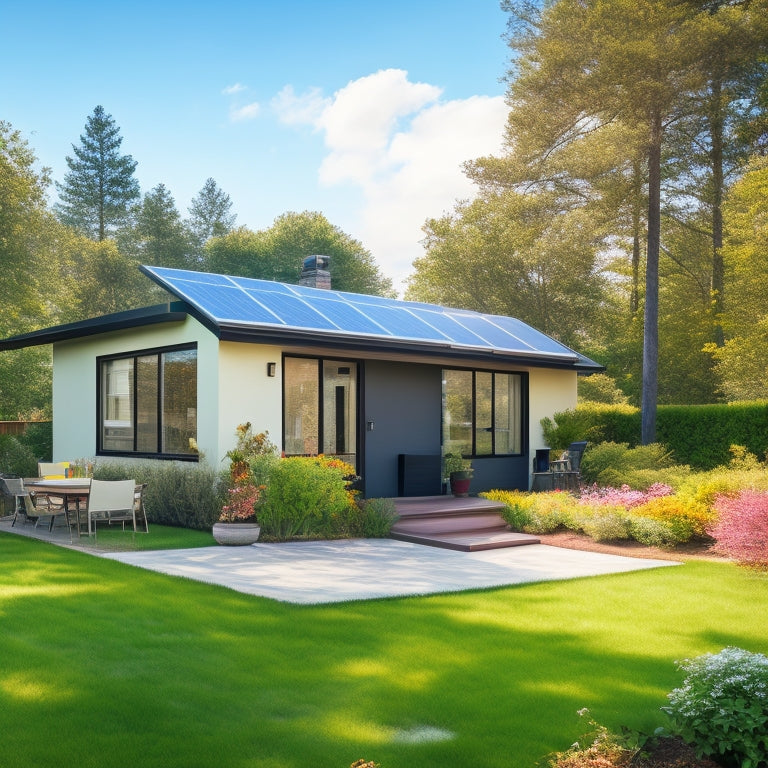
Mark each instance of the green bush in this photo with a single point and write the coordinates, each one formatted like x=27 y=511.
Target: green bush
x=722 y=707
x=304 y=497
x=610 y=464
x=517 y=507
x=38 y=437
x=593 y=422
x=652 y=533
x=377 y=516
x=181 y=494
x=606 y=524
x=700 y=435
x=16 y=458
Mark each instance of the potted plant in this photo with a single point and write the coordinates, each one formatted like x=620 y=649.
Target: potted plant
x=459 y=471
x=238 y=523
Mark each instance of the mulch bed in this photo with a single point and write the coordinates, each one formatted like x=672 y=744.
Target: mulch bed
x=670 y=753
x=693 y=550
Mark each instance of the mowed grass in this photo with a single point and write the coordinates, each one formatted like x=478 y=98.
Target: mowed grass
x=103 y=664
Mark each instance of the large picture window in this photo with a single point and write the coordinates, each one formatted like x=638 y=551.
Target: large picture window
x=148 y=403
x=482 y=413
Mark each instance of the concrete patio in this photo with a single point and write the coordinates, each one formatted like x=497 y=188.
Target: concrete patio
x=357 y=569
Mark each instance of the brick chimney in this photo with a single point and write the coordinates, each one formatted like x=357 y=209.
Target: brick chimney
x=314 y=272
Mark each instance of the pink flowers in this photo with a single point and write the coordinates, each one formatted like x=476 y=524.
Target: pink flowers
x=622 y=497
x=242 y=504
x=741 y=531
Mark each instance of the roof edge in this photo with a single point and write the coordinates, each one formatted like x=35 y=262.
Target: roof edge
x=175 y=311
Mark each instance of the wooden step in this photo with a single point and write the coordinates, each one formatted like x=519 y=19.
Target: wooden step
x=466 y=524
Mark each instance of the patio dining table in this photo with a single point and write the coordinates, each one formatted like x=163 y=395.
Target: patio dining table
x=73 y=492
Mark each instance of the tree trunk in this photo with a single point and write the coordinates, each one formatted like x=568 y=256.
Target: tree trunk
x=651 y=317
x=716 y=154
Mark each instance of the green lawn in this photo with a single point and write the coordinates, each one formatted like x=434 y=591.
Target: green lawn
x=103 y=664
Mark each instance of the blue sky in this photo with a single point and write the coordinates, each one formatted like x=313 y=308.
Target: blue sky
x=361 y=110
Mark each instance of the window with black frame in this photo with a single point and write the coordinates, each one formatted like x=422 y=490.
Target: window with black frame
x=482 y=413
x=148 y=403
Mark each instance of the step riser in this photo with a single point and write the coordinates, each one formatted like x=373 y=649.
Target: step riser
x=452 y=524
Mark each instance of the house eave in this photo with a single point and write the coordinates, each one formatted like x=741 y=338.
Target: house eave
x=176 y=311
x=292 y=337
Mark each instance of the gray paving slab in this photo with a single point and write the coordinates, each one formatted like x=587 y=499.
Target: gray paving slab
x=363 y=569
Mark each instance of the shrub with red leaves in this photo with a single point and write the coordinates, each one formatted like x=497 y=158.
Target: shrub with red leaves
x=741 y=531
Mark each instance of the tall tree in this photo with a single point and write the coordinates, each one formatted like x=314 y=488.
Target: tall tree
x=100 y=186
x=742 y=363
x=585 y=64
x=210 y=213
x=276 y=253
x=24 y=258
x=158 y=236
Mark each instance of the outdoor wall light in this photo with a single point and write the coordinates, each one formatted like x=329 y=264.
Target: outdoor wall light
x=271 y=369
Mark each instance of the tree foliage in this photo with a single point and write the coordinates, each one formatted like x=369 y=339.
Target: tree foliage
x=626 y=116
x=210 y=213
x=742 y=363
x=158 y=236
x=100 y=186
x=277 y=253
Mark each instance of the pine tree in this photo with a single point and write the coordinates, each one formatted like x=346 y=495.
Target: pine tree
x=97 y=191
x=209 y=213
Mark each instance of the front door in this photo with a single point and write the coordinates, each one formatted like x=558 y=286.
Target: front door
x=320 y=408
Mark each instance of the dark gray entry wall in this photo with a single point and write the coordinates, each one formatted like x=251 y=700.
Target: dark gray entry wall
x=403 y=402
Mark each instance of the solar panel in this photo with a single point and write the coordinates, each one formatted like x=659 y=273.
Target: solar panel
x=263 y=303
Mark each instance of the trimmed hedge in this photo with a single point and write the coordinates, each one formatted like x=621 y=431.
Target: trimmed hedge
x=699 y=435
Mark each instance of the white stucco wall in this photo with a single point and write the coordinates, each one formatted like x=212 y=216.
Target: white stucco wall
x=232 y=387
x=246 y=393
x=549 y=391
x=75 y=384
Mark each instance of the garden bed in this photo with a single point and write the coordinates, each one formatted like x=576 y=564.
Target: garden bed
x=698 y=549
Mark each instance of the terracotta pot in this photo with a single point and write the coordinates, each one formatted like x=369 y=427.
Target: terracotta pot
x=460 y=482
x=236 y=534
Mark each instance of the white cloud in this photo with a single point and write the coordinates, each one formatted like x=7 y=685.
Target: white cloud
x=304 y=109
x=231 y=90
x=247 y=112
x=403 y=147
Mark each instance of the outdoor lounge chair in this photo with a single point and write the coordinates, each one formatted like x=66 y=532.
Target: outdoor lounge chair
x=111 y=501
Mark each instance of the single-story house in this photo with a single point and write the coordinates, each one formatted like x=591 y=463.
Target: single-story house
x=388 y=385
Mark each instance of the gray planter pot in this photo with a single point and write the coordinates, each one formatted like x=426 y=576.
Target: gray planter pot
x=236 y=534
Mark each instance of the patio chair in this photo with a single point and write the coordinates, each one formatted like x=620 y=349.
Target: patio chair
x=110 y=500
x=568 y=478
x=22 y=502
x=139 y=510
x=52 y=470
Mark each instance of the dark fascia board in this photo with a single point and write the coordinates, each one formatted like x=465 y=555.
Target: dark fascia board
x=175 y=311
x=349 y=345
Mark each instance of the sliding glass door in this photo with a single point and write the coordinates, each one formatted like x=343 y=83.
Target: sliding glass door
x=320 y=408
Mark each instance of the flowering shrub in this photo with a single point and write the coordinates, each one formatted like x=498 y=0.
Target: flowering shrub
x=604 y=750
x=517 y=507
x=604 y=524
x=305 y=497
x=722 y=706
x=346 y=470
x=685 y=517
x=741 y=531
x=655 y=517
x=622 y=497
x=241 y=503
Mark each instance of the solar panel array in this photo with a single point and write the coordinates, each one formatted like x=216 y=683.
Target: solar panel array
x=265 y=304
